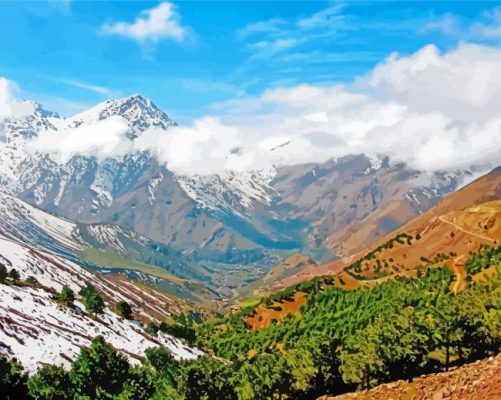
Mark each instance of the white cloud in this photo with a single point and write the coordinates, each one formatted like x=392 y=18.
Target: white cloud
x=490 y=26
x=328 y=17
x=430 y=109
x=100 y=139
x=463 y=85
x=265 y=48
x=205 y=86
x=487 y=28
x=321 y=57
x=448 y=24
x=204 y=147
x=161 y=22
x=273 y=25
x=274 y=36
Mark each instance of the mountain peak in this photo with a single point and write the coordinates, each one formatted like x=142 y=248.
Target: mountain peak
x=28 y=118
x=139 y=112
x=28 y=109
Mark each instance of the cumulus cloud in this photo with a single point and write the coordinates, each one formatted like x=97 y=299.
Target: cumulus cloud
x=430 y=109
x=204 y=147
x=100 y=138
x=161 y=22
x=463 y=84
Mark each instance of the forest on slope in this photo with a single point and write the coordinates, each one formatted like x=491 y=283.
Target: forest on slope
x=340 y=341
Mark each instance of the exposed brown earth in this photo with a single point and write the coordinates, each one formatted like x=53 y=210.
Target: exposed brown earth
x=480 y=380
x=263 y=316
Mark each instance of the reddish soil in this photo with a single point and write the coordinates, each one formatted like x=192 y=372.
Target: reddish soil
x=263 y=315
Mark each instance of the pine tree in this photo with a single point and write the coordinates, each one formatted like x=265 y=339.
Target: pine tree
x=3 y=273
x=67 y=296
x=94 y=303
x=14 y=275
x=99 y=372
x=51 y=383
x=123 y=309
x=12 y=380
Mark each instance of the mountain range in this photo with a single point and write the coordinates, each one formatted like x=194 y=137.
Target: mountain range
x=225 y=229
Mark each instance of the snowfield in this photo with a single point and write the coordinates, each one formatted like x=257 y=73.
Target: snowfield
x=37 y=331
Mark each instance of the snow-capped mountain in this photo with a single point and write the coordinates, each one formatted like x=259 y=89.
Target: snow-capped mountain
x=230 y=191
x=229 y=218
x=140 y=113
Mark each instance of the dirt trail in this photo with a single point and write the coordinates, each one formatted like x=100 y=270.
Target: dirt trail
x=460 y=228
x=459 y=269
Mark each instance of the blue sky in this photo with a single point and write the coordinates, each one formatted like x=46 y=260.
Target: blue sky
x=72 y=54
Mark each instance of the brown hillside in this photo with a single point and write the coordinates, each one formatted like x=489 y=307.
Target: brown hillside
x=460 y=223
x=355 y=237
x=445 y=238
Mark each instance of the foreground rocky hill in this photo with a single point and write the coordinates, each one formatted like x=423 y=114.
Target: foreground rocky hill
x=477 y=381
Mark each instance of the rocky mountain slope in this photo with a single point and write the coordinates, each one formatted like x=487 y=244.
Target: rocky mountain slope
x=352 y=201
x=36 y=330
x=104 y=247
